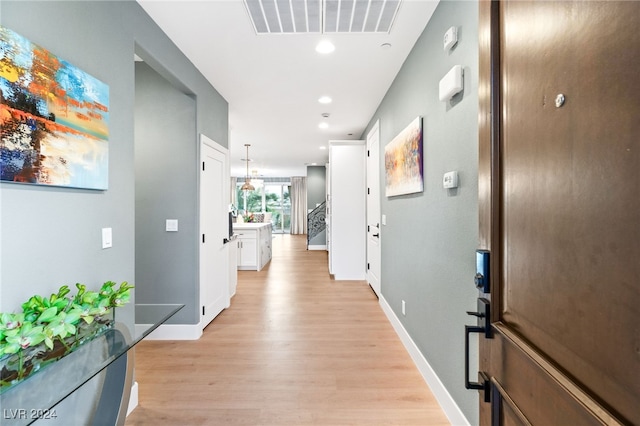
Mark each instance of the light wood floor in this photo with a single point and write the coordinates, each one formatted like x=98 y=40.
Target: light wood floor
x=294 y=348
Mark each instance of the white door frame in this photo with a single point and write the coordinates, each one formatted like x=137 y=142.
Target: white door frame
x=374 y=238
x=213 y=252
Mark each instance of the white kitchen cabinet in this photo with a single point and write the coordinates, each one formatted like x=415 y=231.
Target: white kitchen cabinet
x=265 y=241
x=254 y=245
x=346 y=201
x=233 y=265
x=247 y=254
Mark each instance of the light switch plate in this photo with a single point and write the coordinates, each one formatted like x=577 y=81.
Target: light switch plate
x=107 y=238
x=171 y=225
x=384 y=219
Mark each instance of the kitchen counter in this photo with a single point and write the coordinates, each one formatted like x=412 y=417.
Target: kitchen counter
x=250 y=225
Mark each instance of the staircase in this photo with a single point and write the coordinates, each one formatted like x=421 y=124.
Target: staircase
x=316 y=222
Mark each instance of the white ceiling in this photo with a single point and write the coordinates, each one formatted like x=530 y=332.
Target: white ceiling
x=273 y=81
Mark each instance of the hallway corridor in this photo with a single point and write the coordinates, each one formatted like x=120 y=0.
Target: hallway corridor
x=294 y=348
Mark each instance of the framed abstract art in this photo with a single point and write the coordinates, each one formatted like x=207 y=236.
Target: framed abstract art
x=54 y=118
x=403 y=161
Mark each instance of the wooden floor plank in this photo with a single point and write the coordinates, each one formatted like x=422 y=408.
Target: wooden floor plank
x=294 y=348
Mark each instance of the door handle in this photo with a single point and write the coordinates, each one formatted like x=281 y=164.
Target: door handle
x=376 y=235
x=484 y=326
x=468 y=384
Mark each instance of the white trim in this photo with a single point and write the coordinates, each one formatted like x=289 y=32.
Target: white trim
x=172 y=331
x=133 y=398
x=446 y=401
x=317 y=247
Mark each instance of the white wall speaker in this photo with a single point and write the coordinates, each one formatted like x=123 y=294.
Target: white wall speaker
x=451 y=83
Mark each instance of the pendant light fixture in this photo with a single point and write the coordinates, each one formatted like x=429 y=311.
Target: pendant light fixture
x=247 y=183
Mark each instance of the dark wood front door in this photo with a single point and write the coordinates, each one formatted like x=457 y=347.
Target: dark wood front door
x=560 y=210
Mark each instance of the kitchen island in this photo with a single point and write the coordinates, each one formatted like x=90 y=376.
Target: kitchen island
x=254 y=245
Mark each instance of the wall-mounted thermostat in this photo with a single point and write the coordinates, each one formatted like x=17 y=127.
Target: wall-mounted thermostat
x=450 y=180
x=450 y=38
x=451 y=83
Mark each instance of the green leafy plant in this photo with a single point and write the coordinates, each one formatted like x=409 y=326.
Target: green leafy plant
x=48 y=328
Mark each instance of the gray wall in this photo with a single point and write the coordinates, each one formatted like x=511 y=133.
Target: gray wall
x=316 y=185
x=429 y=242
x=166 y=188
x=52 y=236
x=316 y=194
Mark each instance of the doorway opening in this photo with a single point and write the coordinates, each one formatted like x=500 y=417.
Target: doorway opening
x=269 y=198
x=278 y=202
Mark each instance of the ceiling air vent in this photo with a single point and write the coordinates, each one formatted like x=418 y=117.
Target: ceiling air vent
x=359 y=16
x=322 y=16
x=285 y=16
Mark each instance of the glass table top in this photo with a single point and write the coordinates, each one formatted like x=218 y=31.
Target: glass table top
x=34 y=398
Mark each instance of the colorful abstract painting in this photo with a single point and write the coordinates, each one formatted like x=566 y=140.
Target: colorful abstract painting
x=403 y=161
x=54 y=117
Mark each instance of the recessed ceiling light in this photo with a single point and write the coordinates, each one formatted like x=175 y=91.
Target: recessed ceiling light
x=323 y=147
x=325 y=100
x=385 y=46
x=323 y=125
x=325 y=46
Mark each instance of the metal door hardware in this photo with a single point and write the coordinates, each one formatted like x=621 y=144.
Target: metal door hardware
x=482 y=271
x=484 y=318
x=484 y=326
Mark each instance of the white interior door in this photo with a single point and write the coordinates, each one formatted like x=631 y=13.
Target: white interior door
x=373 y=208
x=214 y=228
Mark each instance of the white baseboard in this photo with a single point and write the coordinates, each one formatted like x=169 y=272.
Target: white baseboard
x=448 y=405
x=173 y=332
x=133 y=398
x=317 y=247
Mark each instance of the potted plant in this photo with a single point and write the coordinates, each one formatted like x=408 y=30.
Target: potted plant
x=49 y=328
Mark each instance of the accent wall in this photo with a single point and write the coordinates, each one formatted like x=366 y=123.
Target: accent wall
x=430 y=238
x=52 y=236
